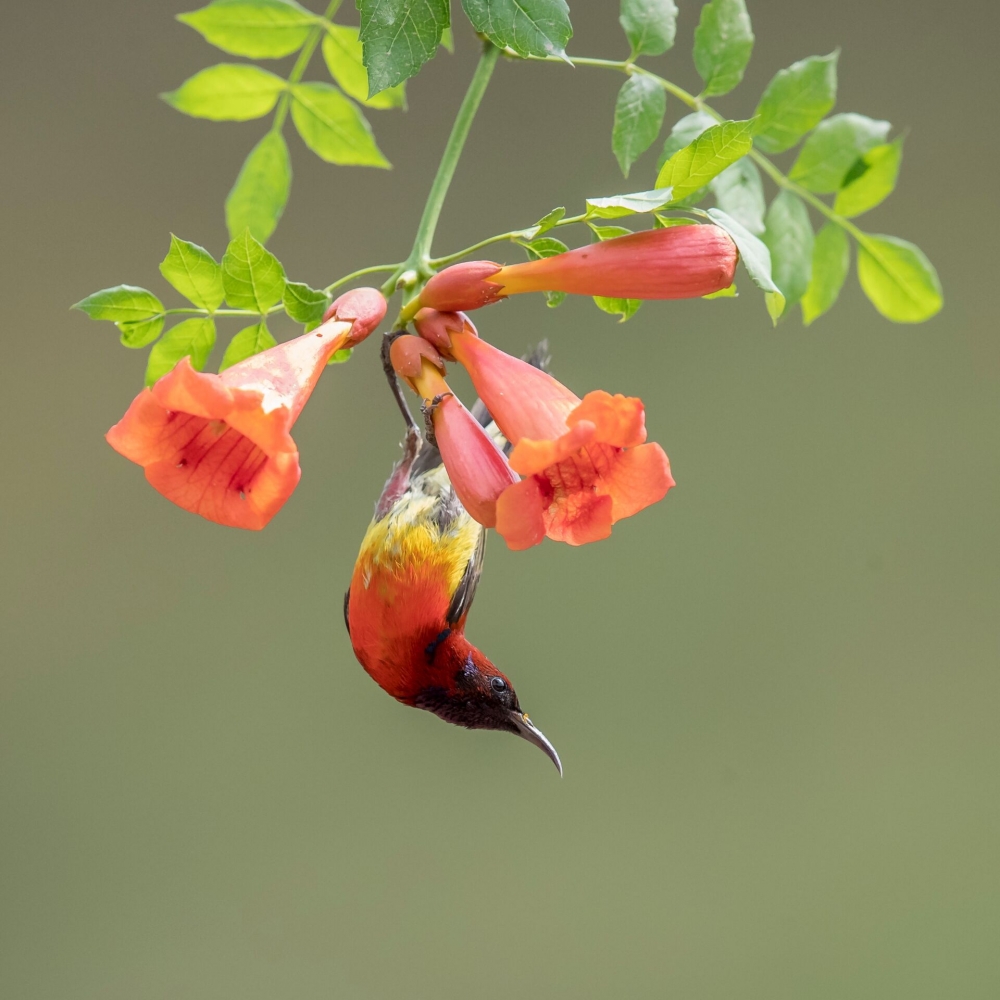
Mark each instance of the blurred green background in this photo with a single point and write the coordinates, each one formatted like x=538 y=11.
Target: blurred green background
x=775 y=694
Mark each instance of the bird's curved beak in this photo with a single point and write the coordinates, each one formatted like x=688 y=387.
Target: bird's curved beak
x=527 y=730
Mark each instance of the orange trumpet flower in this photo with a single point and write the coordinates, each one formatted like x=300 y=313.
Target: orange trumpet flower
x=585 y=462
x=680 y=262
x=477 y=468
x=220 y=445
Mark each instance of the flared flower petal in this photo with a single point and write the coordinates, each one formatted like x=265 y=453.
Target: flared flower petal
x=679 y=262
x=585 y=480
x=220 y=445
x=477 y=468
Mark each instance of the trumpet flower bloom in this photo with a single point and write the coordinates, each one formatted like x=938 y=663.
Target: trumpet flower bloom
x=585 y=462
x=679 y=262
x=477 y=468
x=220 y=445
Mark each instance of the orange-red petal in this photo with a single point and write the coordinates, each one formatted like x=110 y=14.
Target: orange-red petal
x=520 y=514
x=580 y=518
x=619 y=420
x=530 y=457
x=637 y=478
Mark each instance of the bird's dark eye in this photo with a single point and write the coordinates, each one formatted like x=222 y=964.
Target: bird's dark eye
x=498 y=684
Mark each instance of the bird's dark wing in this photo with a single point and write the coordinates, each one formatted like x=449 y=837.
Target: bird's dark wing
x=465 y=593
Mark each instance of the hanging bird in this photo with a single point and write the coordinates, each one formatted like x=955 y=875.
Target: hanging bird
x=413 y=585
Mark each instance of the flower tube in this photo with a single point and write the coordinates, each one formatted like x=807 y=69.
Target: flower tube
x=679 y=262
x=477 y=468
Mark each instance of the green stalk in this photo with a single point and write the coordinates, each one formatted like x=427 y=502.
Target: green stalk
x=419 y=258
x=697 y=104
x=514 y=235
x=298 y=70
x=375 y=269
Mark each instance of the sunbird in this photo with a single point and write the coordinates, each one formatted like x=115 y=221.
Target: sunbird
x=413 y=585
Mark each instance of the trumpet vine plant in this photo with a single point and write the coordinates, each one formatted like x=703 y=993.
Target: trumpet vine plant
x=715 y=200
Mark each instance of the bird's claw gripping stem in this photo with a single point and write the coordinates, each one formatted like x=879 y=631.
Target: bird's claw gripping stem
x=427 y=408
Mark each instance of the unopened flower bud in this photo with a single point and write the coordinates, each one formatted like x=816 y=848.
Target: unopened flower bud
x=364 y=307
x=438 y=327
x=462 y=286
x=679 y=262
x=407 y=355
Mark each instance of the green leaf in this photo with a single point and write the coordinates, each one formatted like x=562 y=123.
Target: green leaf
x=547 y=222
x=723 y=42
x=343 y=55
x=260 y=193
x=871 y=180
x=398 y=37
x=831 y=261
x=639 y=112
x=625 y=308
x=796 y=101
x=228 y=92
x=260 y=29
x=141 y=332
x=127 y=303
x=789 y=237
x=898 y=279
x=609 y=232
x=739 y=191
x=692 y=167
x=304 y=304
x=193 y=338
x=192 y=270
x=650 y=25
x=684 y=133
x=548 y=246
x=529 y=27
x=252 y=276
x=833 y=148
x=245 y=344
x=333 y=127
x=666 y=221
x=339 y=357
x=756 y=258
x=447 y=42
x=729 y=292
x=618 y=205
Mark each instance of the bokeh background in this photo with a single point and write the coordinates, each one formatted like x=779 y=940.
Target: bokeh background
x=776 y=694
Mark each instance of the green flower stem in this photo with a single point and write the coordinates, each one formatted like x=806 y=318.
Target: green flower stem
x=697 y=104
x=220 y=312
x=374 y=269
x=515 y=235
x=419 y=258
x=305 y=54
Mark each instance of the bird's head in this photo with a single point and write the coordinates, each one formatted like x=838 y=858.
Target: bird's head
x=468 y=690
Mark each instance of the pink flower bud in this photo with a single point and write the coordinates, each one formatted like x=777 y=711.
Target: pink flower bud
x=364 y=307
x=462 y=286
